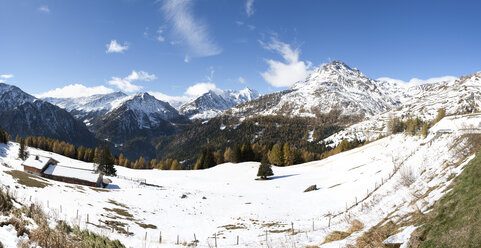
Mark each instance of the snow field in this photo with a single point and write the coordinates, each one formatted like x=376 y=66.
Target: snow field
x=227 y=200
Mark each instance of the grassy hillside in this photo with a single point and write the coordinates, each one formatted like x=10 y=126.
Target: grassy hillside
x=455 y=220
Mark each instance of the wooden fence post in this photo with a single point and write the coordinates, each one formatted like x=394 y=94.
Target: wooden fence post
x=237 y=239
x=160 y=236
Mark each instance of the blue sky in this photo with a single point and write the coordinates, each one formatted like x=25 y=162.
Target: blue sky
x=184 y=47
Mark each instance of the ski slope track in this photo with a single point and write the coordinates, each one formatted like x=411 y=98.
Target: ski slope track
x=227 y=202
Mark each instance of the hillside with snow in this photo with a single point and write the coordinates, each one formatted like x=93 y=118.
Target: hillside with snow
x=458 y=96
x=368 y=184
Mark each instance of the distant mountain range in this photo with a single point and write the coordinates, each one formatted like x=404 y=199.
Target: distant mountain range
x=23 y=114
x=333 y=94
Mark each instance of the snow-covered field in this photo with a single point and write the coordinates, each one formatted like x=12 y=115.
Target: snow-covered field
x=227 y=200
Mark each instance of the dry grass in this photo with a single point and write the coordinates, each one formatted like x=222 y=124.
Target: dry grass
x=5 y=201
x=117 y=204
x=335 y=236
x=145 y=226
x=28 y=179
x=356 y=226
x=234 y=227
x=120 y=212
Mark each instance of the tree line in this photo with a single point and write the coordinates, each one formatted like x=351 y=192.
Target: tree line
x=4 y=137
x=276 y=154
x=413 y=126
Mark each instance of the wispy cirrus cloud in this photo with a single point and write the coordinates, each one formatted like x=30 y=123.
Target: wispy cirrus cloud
x=126 y=83
x=115 y=47
x=44 y=9
x=160 y=36
x=75 y=90
x=287 y=72
x=192 y=32
x=250 y=7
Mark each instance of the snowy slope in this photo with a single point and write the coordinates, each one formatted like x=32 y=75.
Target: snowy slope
x=214 y=103
x=458 y=96
x=226 y=199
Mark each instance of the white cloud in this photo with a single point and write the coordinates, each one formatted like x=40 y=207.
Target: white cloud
x=241 y=80
x=174 y=101
x=2 y=80
x=193 y=32
x=159 y=35
x=115 y=47
x=125 y=84
x=75 y=90
x=186 y=59
x=249 y=7
x=6 y=76
x=417 y=81
x=201 y=88
x=44 y=9
x=284 y=74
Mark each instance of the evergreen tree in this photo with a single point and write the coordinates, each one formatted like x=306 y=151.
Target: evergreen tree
x=236 y=154
x=276 y=156
x=108 y=159
x=3 y=136
x=265 y=169
x=247 y=152
x=22 y=151
x=209 y=159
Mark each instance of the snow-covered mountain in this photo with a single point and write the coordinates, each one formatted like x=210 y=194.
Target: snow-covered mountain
x=137 y=115
x=333 y=86
x=82 y=106
x=23 y=114
x=214 y=103
x=459 y=96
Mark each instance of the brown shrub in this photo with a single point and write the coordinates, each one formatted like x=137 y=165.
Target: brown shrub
x=19 y=225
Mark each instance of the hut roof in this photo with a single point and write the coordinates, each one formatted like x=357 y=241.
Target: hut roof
x=69 y=172
x=38 y=162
